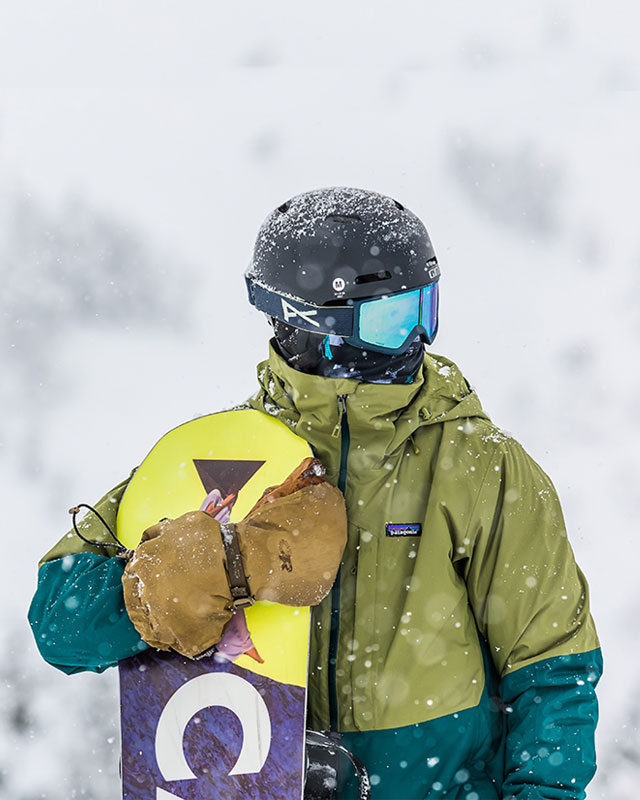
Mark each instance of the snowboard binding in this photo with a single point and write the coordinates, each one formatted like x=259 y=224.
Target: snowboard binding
x=323 y=751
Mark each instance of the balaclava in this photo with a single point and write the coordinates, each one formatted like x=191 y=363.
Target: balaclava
x=332 y=357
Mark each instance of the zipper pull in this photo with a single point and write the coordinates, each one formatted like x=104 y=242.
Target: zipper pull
x=342 y=408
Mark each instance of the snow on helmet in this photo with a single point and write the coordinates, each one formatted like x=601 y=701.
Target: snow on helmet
x=322 y=255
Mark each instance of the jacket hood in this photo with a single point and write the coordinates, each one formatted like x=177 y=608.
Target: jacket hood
x=439 y=393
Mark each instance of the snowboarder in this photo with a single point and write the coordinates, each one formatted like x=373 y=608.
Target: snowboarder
x=455 y=655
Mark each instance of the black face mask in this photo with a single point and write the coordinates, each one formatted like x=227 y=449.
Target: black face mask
x=331 y=357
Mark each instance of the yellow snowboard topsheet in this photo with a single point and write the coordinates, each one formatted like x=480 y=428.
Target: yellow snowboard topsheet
x=233 y=455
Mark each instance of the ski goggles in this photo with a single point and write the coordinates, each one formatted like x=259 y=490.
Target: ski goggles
x=386 y=324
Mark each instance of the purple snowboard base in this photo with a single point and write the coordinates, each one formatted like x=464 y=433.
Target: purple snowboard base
x=208 y=730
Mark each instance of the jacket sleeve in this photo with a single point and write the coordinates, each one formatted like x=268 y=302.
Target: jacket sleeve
x=77 y=614
x=531 y=603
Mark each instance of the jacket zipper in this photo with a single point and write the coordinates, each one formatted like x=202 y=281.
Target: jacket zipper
x=341 y=429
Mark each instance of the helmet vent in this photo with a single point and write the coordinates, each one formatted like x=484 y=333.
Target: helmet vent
x=381 y=275
x=399 y=205
x=284 y=208
x=344 y=218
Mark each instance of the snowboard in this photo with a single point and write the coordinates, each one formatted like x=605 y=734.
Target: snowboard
x=230 y=725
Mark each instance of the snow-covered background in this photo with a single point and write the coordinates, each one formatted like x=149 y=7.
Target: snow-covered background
x=129 y=201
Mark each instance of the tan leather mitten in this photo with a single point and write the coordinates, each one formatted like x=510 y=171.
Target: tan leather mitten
x=188 y=575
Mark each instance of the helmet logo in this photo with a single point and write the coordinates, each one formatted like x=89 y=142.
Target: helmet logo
x=290 y=311
x=338 y=284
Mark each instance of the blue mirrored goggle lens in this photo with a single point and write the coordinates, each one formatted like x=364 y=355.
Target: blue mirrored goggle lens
x=429 y=317
x=388 y=321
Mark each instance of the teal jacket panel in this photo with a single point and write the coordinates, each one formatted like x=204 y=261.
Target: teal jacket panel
x=459 y=755
x=77 y=614
x=552 y=711
x=545 y=752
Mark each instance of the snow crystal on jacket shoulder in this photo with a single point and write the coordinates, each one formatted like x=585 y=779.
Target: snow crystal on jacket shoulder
x=492 y=433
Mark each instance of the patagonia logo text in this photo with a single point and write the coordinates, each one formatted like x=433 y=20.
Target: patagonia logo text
x=405 y=529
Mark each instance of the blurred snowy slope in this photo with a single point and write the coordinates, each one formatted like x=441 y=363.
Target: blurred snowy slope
x=127 y=214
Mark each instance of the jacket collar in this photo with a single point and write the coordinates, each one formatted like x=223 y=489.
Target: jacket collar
x=381 y=417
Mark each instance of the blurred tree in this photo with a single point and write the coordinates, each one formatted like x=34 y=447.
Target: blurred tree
x=63 y=272
x=519 y=189
x=59 y=737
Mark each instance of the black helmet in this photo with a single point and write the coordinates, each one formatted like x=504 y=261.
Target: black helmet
x=321 y=253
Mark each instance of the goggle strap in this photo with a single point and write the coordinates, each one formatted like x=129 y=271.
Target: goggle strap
x=332 y=320
x=336 y=320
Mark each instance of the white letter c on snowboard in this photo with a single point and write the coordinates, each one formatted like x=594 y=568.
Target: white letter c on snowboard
x=213 y=689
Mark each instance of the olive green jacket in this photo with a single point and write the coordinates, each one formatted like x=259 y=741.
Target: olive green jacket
x=493 y=554
x=456 y=652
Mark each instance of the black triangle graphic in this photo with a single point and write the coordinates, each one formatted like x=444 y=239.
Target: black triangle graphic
x=226 y=476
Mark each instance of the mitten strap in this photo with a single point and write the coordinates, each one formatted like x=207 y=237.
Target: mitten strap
x=238 y=583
